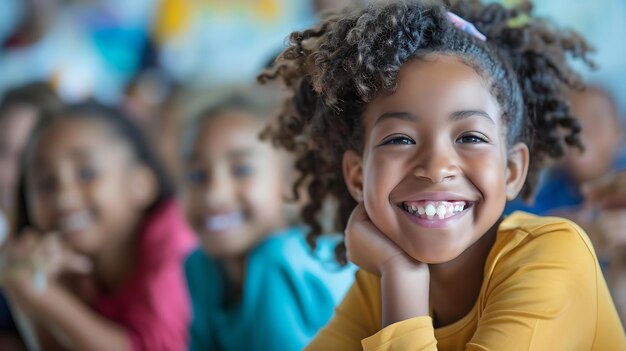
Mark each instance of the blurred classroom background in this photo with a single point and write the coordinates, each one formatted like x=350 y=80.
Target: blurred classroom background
x=96 y=48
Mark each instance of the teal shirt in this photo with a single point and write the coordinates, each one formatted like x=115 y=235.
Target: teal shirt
x=288 y=295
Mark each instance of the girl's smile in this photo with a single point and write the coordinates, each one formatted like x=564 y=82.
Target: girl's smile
x=221 y=223
x=432 y=213
x=74 y=223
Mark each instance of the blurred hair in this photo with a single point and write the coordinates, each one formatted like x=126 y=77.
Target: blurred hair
x=38 y=95
x=254 y=100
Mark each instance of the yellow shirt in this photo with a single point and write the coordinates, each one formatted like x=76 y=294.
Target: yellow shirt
x=542 y=290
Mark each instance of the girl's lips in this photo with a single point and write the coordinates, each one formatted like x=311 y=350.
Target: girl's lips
x=437 y=221
x=220 y=222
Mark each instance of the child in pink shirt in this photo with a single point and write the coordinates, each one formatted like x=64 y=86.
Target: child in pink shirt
x=98 y=262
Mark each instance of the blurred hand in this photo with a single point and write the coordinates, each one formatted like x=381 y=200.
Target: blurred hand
x=370 y=249
x=613 y=226
x=33 y=260
x=610 y=192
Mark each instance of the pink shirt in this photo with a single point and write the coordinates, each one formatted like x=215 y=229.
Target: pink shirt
x=154 y=305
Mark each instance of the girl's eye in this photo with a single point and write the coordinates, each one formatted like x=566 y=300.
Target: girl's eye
x=86 y=174
x=196 y=177
x=470 y=139
x=399 y=140
x=242 y=171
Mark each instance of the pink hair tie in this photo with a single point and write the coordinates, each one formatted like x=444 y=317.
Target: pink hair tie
x=465 y=26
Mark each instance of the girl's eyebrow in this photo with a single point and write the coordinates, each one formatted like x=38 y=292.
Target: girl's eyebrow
x=242 y=153
x=455 y=116
x=459 y=115
x=400 y=115
x=236 y=154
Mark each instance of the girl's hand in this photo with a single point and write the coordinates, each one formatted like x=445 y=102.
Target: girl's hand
x=34 y=260
x=609 y=192
x=404 y=281
x=612 y=224
x=370 y=249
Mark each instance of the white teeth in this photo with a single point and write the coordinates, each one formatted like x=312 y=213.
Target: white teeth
x=441 y=211
x=430 y=210
x=223 y=221
x=75 y=222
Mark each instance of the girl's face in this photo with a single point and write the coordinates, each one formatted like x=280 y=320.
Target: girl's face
x=233 y=185
x=84 y=182
x=601 y=136
x=435 y=172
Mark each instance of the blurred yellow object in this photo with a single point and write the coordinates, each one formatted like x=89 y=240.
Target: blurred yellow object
x=268 y=9
x=172 y=19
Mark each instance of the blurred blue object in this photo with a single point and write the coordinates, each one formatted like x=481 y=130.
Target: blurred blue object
x=11 y=13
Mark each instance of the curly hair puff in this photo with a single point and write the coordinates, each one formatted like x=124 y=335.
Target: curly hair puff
x=335 y=68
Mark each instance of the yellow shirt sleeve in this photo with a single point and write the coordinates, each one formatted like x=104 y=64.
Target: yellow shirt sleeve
x=543 y=290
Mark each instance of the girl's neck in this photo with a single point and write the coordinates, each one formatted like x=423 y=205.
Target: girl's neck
x=455 y=285
x=115 y=263
x=234 y=273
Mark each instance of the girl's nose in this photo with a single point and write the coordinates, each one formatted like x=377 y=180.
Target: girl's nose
x=219 y=189
x=436 y=163
x=67 y=195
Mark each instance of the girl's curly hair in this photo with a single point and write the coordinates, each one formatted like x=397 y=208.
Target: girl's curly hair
x=335 y=68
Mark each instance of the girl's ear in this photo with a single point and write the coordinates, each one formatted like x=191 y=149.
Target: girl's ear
x=143 y=186
x=516 y=169
x=352 y=166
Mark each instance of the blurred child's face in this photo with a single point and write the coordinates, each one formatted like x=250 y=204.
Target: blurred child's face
x=434 y=174
x=83 y=181
x=600 y=135
x=233 y=185
x=15 y=127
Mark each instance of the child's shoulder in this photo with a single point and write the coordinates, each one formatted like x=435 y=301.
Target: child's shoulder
x=289 y=246
x=536 y=225
x=292 y=242
x=543 y=234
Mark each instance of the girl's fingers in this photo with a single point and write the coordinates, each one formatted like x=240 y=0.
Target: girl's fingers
x=76 y=263
x=60 y=258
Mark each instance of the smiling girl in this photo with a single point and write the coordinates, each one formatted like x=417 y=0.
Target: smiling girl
x=422 y=126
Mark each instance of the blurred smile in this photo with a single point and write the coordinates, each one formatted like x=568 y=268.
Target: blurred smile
x=222 y=222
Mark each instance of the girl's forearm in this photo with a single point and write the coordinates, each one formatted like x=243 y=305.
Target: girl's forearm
x=404 y=293
x=83 y=328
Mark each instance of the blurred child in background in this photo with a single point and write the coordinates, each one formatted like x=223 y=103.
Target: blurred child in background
x=20 y=108
x=601 y=133
x=603 y=216
x=98 y=263
x=254 y=284
x=576 y=187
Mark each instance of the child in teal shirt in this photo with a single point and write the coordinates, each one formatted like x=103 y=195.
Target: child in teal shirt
x=254 y=285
